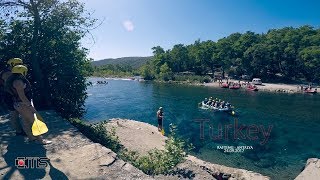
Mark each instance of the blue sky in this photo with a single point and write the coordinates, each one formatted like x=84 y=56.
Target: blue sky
x=133 y=27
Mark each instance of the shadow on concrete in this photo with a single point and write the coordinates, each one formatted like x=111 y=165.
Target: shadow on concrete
x=17 y=147
x=13 y=146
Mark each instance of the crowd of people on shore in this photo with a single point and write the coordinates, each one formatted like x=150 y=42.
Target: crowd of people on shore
x=307 y=88
x=227 y=83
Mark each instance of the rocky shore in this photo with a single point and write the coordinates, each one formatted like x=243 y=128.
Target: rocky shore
x=74 y=156
x=311 y=170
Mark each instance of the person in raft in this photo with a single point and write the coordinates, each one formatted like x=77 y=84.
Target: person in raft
x=160 y=118
x=20 y=90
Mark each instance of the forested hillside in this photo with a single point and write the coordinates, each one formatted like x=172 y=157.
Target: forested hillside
x=284 y=55
x=134 y=62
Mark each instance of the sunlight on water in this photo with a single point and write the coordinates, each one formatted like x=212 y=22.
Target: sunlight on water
x=294 y=118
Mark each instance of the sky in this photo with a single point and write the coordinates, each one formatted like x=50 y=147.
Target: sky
x=133 y=27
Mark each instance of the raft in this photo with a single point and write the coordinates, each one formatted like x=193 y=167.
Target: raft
x=252 y=88
x=310 y=91
x=234 y=87
x=224 y=85
x=203 y=105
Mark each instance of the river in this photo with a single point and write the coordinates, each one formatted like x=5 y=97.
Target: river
x=293 y=121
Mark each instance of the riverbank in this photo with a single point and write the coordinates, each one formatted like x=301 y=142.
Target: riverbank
x=269 y=87
x=74 y=156
x=143 y=137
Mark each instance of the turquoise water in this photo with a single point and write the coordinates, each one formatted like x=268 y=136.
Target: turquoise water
x=294 y=120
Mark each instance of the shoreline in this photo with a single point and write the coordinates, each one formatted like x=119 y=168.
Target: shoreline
x=265 y=87
x=93 y=160
x=143 y=137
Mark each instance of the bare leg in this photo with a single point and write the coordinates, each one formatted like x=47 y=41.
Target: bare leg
x=27 y=121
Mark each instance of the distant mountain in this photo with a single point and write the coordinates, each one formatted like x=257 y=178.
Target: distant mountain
x=134 y=62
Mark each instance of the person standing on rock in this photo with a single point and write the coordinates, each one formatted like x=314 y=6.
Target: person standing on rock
x=160 y=119
x=20 y=90
x=7 y=98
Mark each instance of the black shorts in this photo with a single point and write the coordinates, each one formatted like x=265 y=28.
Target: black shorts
x=160 y=122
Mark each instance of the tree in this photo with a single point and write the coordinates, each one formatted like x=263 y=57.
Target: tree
x=310 y=57
x=165 y=72
x=286 y=54
x=47 y=34
x=179 y=58
x=147 y=72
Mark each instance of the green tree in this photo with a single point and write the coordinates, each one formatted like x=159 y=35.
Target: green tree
x=179 y=60
x=165 y=72
x=146 y=71
x=47 y=34
x=310 y=57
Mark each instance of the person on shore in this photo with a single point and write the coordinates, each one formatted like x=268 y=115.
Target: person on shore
x=7 y=99
x=13 y=114
x=20 y=90
x=160 y=119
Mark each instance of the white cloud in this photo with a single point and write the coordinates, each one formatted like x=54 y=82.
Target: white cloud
x=128 y=25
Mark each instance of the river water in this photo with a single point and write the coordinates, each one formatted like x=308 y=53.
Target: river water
x=292 y=120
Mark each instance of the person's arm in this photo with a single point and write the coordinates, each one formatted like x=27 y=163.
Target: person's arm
x=19 y=86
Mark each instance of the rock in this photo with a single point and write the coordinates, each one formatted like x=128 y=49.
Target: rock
x=72 y=155
x=311 y=170
x=226 y=176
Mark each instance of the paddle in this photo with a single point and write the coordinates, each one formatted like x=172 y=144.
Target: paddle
x=162 y=130
x=38 y=126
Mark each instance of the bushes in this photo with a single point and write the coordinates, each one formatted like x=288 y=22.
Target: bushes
x=98 y=134
x=155 y=162
x=159 y=161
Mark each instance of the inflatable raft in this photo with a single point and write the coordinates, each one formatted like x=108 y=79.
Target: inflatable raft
x=203 y=105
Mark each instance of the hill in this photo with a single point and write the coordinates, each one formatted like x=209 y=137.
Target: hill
x=134 y=62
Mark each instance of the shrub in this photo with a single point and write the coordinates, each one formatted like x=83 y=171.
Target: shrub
x=98 y=133
x=155 y=162
x=159 y=161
